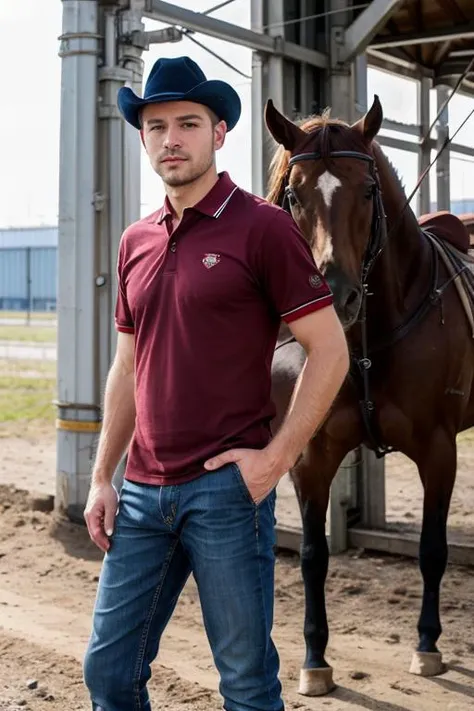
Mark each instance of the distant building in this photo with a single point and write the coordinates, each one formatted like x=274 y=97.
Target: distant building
x=28 y=264
x=28 y=268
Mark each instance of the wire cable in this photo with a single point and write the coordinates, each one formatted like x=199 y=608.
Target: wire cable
x=362 y=6
x=215 y=55
x=217 y=7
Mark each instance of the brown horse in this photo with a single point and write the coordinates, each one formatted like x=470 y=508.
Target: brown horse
x=411 y=385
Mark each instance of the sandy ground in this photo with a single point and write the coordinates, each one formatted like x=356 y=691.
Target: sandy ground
x=48 y=578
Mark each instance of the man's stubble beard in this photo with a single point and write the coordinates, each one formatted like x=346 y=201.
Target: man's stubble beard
x=175 y=181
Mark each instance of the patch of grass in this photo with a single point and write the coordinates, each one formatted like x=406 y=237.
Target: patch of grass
x=28 y=334
x=27 y=389
x=34 y=315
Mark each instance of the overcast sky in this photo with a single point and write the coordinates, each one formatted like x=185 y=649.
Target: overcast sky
x=29 y=119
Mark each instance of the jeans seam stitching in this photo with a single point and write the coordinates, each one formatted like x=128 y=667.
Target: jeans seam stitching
x=264 y=611
x=147 y=625
x=242 y=487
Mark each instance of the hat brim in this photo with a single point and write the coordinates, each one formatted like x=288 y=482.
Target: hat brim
x=217 y=95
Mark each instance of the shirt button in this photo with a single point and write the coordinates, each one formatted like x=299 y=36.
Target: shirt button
x=173 y=246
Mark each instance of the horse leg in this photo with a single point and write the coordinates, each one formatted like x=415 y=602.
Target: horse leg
x=438 y=472
x=312 y=477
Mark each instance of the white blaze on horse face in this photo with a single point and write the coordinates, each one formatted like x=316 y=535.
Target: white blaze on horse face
x=328 y=184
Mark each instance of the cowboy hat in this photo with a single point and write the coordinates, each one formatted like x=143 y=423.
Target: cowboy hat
x=181 y=79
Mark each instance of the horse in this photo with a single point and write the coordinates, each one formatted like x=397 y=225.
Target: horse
x=410 y=384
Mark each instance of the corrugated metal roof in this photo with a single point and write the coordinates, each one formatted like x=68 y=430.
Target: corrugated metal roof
x=28 y=237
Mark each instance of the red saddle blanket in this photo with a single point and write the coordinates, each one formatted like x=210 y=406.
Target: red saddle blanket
x=447 y=227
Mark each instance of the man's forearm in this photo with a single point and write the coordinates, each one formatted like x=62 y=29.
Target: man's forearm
x=313 y=395
x=118 y=422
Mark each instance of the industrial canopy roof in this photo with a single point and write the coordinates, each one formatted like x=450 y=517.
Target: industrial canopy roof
x=435 y=37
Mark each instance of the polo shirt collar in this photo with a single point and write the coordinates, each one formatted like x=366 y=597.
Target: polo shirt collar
x=213 y=204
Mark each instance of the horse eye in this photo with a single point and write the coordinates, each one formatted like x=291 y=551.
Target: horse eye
x=369 y=192
x=292 y=198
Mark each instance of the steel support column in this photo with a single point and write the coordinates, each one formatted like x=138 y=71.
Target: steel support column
x=424 y=155
x=99 y=197
x=340 y=97
x=78 y=375
x=360 y=480
x=442 y=165
x=267 y=82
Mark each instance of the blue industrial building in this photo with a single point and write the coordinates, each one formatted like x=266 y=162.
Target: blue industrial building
x=28 y=268
x=28 y=265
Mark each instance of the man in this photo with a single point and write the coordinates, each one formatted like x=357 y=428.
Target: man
x=203 y=285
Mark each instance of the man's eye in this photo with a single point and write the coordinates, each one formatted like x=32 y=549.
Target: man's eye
x=189 y=124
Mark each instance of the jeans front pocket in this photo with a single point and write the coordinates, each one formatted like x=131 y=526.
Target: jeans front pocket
x=242 y=485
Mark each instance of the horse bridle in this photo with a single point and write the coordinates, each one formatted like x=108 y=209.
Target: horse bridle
x=361 y=364
x=378 y=231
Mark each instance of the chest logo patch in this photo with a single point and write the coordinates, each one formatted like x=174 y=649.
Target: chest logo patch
x=210 y=260
x=315 y=281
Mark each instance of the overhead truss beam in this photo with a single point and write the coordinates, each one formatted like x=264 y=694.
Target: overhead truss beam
x=365 y=27
x=197 y=22
x=441 y=34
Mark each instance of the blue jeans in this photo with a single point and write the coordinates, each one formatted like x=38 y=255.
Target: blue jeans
x=212 y=528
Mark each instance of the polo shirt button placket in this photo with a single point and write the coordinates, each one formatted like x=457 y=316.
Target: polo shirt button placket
x=173 y=246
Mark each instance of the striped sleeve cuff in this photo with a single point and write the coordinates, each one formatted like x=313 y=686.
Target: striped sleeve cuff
x=307 y=308
x=124 y=329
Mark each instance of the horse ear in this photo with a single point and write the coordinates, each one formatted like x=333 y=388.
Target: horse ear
x=282 y=129
x=370 y=124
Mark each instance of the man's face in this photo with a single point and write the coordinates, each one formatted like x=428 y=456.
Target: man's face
x=180 y=138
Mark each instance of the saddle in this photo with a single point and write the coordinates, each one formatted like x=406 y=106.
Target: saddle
x=446 y=227
x=451 y=240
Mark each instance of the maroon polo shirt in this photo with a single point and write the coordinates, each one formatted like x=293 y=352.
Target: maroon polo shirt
x=205 y=304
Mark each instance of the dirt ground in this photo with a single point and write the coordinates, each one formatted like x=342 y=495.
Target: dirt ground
x=48 y=578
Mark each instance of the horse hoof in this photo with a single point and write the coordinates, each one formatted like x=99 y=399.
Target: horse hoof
x=316 y=682
x=427 y=664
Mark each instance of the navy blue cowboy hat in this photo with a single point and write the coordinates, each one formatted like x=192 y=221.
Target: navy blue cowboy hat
x=181 y=79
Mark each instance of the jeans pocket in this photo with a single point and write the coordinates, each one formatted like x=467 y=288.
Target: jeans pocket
x=242 y=485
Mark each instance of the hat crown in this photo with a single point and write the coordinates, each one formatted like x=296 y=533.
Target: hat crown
x=170 y=76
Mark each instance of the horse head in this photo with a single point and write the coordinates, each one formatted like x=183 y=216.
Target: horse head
x=324 y=173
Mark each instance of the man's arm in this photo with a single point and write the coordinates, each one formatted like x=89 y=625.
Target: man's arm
x=322 y=337
x=119 y=411
x=117 y=429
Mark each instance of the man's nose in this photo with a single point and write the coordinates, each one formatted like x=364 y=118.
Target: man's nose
x=171 y=139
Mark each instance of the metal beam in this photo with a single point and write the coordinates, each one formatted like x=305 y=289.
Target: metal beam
x=196 y=21
x=411 y=129
x=396 y=65
x=395 y=543
x=406 y=544
x=365 y=27
x=439 y=35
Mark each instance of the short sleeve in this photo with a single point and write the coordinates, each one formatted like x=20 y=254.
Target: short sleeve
x=123 y=316
x=291 y=280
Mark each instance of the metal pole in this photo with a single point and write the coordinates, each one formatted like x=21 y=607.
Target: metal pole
x=443 y=163
x=78 y=386
x=28 y=284
x=258 y=130
x=267 y=82
x=119 y=158
x=424 y=197
x=340 y=97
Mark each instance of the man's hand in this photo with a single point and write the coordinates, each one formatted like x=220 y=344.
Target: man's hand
x=102 y=504
x=259 y=472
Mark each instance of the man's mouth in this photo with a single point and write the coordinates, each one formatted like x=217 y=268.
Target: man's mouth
x=173 y=159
